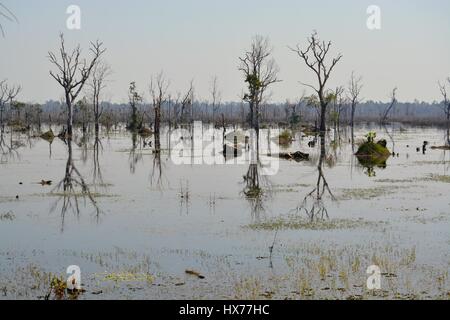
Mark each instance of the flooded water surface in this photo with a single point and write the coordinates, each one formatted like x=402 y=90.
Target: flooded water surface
x=141 y=226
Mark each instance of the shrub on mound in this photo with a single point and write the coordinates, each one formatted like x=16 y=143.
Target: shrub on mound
x=373 y=150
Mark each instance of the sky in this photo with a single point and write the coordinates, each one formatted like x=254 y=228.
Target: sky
x=200 y=39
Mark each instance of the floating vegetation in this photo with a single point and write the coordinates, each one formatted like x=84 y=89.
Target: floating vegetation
x=127 y=277
x=295 y=222
x=9 y=216
x=253 y=192
x=411 y=180
x=76 y=194
x=366 y=193
x=438 y=178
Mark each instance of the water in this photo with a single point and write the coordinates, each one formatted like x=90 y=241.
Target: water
x=150 y=223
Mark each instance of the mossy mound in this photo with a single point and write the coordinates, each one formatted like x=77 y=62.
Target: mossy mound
x=373 y=150
x=48 y=136
x=373 y=154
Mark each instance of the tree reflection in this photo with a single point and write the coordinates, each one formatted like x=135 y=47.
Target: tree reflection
x=73 y=190
x=157 y=170
x=313 y=204
x=254 y=181
x=9 y=148
x=97 y=177
x=135 y=155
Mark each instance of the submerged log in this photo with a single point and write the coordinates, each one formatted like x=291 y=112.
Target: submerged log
x=145 y=132
x=296 y=156
x=440 y=147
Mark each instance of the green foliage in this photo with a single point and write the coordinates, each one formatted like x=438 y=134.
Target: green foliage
x=371 y=136
x=294 y=119
x=134 y=98
x=312 y=101
x=254 y=86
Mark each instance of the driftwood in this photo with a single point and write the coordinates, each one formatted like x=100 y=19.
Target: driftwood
x=440 y=147
x=296 y=156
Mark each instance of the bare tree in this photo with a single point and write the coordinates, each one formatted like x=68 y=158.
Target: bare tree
x=354 y=92
x=73 y=72
x=98 y=81
x=315 y=57
x=337 y=107
x=7 y=95
x=392 y=104
x=158 y=91
x=446 y=106
x=187 y=102
x=215 y=96
x=260 y=71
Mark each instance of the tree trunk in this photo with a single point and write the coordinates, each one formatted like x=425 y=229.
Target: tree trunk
x=323 y=120
x=157 y=128
x=69 y=120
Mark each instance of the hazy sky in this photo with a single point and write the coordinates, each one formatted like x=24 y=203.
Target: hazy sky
x=196 y=39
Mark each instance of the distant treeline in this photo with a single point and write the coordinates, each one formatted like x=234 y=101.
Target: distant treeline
x=236 y=112
x=25 y=115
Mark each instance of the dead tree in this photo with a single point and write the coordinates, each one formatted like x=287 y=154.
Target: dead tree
x=260 y=71
x=72 y=73
x=7 y=96
x=354 y=92
x=215 y=96
x=391 y=106
x=187 y=103
x=97 y=84
x=446 y=107
x=158 y=92
x=315 y=58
